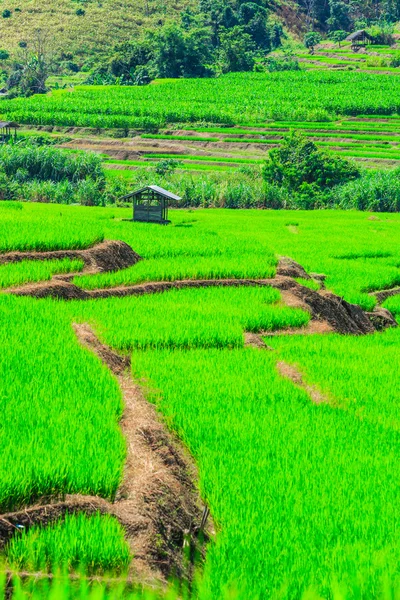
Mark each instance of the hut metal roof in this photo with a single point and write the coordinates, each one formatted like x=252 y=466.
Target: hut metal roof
x=159 y=190
x=358 y=34
x=11 y=124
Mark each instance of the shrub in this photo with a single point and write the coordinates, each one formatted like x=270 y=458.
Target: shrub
x=312 y=39
x=6 y=14
x=4 y=55
x=300 y=166
x=167 y=166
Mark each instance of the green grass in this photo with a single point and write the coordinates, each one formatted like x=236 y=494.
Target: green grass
x=103 y=25
x=33 y=227
x=60 y=409
x=213 y=317
x=296 y=490
x=31 y=271
x=78 y=542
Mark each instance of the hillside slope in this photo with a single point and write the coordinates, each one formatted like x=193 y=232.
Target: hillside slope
x=103 y=23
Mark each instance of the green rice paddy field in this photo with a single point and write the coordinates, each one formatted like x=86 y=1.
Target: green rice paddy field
x=214 y=125
x=304 y=496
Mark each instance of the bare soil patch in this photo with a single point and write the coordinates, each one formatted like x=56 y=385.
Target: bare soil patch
x=292 y=373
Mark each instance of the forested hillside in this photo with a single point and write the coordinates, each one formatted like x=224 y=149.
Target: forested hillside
x=132 y=42
x=83 y=27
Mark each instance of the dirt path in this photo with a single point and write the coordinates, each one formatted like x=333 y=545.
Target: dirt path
x=292 y=373
x=110 y=255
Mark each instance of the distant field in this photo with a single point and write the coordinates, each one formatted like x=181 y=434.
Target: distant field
x=373 y=58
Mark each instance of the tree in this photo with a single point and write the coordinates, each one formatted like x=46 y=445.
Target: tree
x=310 y=6
x=339 y=16
x=300 y=165
x=339 y=36
x=311 y=39
x=33 y=65
x=237 y=50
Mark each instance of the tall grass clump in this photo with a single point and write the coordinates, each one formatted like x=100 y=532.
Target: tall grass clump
x=377 y=191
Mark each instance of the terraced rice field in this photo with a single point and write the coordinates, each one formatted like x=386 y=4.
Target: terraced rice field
x=168 y=383
x=351 y=114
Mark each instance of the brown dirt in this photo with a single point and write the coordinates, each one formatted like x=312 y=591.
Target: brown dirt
x=383 y=295
x=255 y=340
x=289 y=268
x=314 y=327
x=110 y=255
x=292 y=373
x=157 y=501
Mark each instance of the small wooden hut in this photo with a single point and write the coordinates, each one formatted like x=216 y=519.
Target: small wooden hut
x=359 y=39
x=8 y=130
x=150 y=204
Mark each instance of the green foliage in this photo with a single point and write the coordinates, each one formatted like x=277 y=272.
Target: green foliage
x=300 y=166
x=237 y=50
x=167 y=166
x=312 y=39
x=338 y=36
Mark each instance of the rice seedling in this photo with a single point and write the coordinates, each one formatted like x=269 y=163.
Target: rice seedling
x=60 y=409
x=289 y=482
x=91 y=544
x=31 y=271
x=213 y=317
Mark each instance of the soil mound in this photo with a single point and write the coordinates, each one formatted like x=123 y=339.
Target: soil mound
x=110 y=255
x=55 y=288
x=381 y=318
x=290 y=268
x=342 y=316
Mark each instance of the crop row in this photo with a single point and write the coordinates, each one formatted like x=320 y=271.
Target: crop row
x=230 y=99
